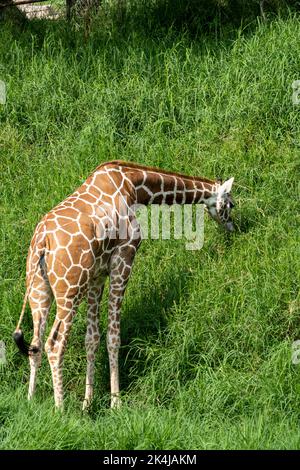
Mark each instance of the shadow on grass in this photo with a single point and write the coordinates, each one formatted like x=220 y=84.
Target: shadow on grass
x=142 y=321
x=216 y=19
x=246 y=223
x=146 y=317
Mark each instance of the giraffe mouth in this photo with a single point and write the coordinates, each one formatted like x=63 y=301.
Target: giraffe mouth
x=229 y=227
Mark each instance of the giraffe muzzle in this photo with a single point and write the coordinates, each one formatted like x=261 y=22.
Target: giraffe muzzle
x=229 y=227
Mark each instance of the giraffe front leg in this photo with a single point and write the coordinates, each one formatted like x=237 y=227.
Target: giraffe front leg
x=121 y=264
x=92 y=340
x=113 y=346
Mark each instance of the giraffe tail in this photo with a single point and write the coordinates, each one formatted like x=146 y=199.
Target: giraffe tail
x=23 y=346
x=18 y=335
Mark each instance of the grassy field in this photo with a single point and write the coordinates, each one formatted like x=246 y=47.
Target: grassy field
x=207 y=335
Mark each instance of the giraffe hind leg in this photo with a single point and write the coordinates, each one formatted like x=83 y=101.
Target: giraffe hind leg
x=56 y=344
x=40 y=300
x=69 y=279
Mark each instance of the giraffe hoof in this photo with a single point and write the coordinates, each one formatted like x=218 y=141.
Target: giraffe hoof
x=59 y=407
x=86 y=405
x=115 y=402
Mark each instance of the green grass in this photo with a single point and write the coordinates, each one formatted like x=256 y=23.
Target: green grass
x=206 y=336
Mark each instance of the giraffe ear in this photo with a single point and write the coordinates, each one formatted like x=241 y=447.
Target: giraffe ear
x=226 y=187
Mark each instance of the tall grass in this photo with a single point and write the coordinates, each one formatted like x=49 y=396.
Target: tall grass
x=206 y=336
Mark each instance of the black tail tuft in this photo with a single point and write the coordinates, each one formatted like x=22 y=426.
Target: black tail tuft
x=23 y=346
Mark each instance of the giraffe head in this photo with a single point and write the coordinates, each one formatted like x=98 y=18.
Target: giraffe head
x=219 y=205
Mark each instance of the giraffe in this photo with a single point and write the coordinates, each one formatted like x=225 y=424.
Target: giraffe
x=77 y=245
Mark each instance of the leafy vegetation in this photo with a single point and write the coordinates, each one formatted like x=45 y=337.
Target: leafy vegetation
x=207 y=335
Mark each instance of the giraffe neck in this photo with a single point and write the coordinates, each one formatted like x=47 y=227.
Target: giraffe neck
x=155 y=186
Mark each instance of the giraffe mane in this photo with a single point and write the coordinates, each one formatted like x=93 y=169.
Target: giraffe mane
x=154 y=169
